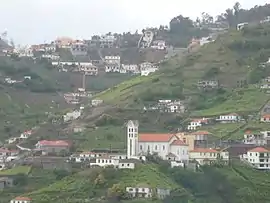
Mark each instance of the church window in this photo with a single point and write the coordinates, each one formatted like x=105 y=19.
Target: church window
x=156 y=147
x=163 y=147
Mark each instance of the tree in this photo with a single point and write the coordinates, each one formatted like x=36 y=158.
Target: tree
x=117 y=191
x=236 y=9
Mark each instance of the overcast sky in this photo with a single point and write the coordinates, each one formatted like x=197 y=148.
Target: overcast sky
x=36 y=21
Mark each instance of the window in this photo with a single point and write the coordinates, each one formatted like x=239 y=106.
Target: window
x=122 y=164
x=184 y=140
x=156 y=147
x=143 y=189
x=148 y=148
x=141 y=147
x=163 y=147
x=127 y=164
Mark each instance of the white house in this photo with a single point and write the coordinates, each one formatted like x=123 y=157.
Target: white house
x=26 y=134
x=159 y=45
x=131 y=68
x=72 y=115
x=265 y=118
x=147 y=68
x=229 y=118
x=112 y=63
x=51 y=56
x=88 y=68
x=139 y=191
x=21 y=200
x=208 y=156
x=258 y=139
x=195 y=123
x=78 y=48
x=113 y=161
x=240 y=26
x=107 y=41
x=96 y=102
x=258 y=157
x=167 y=146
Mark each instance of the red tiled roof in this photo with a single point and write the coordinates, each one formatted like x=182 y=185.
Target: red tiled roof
x=266 y=116
x=155 y=137
x=202 y=133
x=200 y=120
x=232 y=114
x=258 y=149
x=204 y=150
x=54 y=143
x=248 y=132
x=179 y=143
x=23 y=199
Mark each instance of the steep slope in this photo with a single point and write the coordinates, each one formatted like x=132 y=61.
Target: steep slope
x=232 y=60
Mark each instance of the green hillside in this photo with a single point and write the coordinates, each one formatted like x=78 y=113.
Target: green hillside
x=233 y=60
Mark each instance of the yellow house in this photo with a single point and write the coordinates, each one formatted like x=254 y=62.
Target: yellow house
x=187 y=138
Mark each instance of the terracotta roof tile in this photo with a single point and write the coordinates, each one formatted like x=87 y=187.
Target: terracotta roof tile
x=259 y=149
x=204 y=150
x=266 y=116
x=179 y=143
x=23 y=199
x=155 y=137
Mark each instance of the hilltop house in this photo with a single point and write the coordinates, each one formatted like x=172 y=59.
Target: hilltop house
x=208 y=84
x=21 y=200
x=195 y=123
x=88 y=69
x=229 y=118
x=159 y=45
x=107 y=41
x=147 y=68
x=208 y=156
x=131 y=68
x=78 y=48
x=144 y=191
x=112 y=63
x=72 y=115
x=240 y=26
x=168 y=106
x=258 y=158
x=64 y=42
x=57 y=146
x=167 y=146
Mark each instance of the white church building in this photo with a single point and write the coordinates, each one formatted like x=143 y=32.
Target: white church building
x=167 y=146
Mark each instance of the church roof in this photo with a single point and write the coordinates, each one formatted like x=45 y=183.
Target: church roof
x=178 y=143
x=156 y=137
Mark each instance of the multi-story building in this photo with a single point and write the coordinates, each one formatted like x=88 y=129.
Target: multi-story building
x=112 y=63
x=78 y=48
x=258 y=158
x=47 y=146
x=258 y=139
x=208 y=156
x=107 y=41
x=147 y=68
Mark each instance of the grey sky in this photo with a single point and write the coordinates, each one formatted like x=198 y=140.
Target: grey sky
x=34 y=21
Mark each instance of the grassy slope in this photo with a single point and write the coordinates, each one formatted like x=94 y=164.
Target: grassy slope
x=80 y=186
x=185 y=72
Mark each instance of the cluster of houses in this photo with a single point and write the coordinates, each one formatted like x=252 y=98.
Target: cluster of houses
x=179 y=149
x=228 y=118
x=111 y=64
x=168 y=106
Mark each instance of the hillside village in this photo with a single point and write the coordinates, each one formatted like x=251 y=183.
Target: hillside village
x=171 y=132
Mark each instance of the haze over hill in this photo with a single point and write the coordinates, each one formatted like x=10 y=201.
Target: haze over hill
x=177 y=114
x=119 y=16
